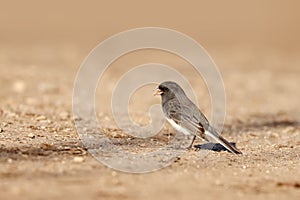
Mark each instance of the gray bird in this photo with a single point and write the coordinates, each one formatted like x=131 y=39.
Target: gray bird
x=186 y=117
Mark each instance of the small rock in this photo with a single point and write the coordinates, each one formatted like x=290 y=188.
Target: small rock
x=279 y=146
x=9 y=160
x=253 y=134
x=31 y=135
x=40 y=118
x=274 y=135
x=142 y=145
x=77 y=118
x=78 y=159
x=45 y=122
x=68 y=129
x=1 y=130
x=46 y=146
x=288 y=130
x=67 y=148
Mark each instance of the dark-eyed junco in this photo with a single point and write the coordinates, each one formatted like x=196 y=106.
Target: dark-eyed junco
x=186 y=117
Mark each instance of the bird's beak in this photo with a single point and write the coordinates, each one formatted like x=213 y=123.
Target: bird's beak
x=157 y=91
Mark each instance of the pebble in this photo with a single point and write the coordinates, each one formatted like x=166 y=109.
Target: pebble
x=288 y=130
x=9 y=160
x=142 y=145
x=45 y=122
x=78 y=159
x=67 y=148
x=1 y=130
x=253 y=134
x=40 y=118
x=31 y=135
x=274 y=135
x=77 y=118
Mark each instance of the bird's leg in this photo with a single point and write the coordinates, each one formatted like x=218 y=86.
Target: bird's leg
x=191 y=145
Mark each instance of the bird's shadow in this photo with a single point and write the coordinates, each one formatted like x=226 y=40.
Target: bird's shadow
x=213 y=146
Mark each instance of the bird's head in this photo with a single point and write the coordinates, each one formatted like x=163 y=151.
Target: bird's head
x=169 y=90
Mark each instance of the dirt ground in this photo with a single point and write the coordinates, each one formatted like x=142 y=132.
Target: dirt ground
x=42 y=157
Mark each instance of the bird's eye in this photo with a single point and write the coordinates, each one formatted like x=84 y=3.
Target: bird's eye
x=164 y=89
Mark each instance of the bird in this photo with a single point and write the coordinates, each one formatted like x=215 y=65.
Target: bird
x=186 y=117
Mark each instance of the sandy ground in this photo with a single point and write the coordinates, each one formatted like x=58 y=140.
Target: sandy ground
x=42 y=157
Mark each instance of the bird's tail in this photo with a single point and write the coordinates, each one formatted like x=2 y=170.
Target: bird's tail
x=218 y=138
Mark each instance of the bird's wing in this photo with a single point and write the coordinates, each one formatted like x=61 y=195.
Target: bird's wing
x=190 y=118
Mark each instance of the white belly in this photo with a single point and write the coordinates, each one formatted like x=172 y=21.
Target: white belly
x=178 y=128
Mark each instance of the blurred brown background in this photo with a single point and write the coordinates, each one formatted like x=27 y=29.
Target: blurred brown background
x=259 y=36
x=268 y=23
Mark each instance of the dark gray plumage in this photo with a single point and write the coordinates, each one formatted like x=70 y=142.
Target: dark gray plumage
x=186 y=117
